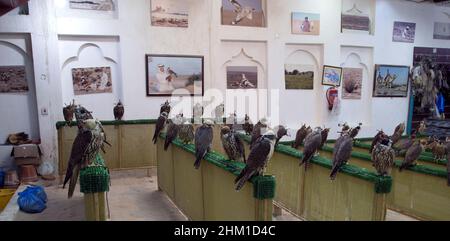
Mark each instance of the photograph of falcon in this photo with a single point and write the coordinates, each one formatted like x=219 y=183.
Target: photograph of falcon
x=119 y=111
x=85 y=148
x=232 y=144
x=203 y=141
x=258 y=159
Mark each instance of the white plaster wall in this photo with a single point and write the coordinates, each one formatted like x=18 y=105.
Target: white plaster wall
x=205 y=36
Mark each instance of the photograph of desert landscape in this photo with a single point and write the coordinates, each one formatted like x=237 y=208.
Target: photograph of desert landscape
x=92 y=80
x=99 y=5
x=299 y=77
x=170 y=13
x=248 y=13
x=352 y=83
x=13 y=79
x=242 y=77
x=306 y=23
x=355 y=22
x=167 y=74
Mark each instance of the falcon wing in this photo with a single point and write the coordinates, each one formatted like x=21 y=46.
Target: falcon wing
x=240 y=147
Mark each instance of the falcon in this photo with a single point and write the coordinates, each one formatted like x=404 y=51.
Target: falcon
x=119 y=111
x=232 y=120
x=258 y=159
x=68 y=113
x=82 y=114
x=281 y=132
x=403 y=145
x=186 y=132
x=248 y=126
x=85 y=148
x=412 y=154
x=171 y=72
x=160 y=125
x=345 y=128
x=422 y=128
x=166 y=108
x=398 y=133
x=232 y=144
x=300 y=137
x=380 y=136
x=324 y=134
x=312 y=144
x=341 y=154
x=203 y=142
x=439 y=150
x=259 y=128
x=355 y=131
x=172 y=130
x=383 y=157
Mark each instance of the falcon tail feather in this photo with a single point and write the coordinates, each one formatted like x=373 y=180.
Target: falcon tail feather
x=73 y=181
x=199 y=159
x=334 y=173
x=243 y=178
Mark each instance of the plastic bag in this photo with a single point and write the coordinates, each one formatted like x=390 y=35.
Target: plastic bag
x=33 y=200
x=46 y=169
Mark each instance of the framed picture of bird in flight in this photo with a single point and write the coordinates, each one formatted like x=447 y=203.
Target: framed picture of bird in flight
x=249 y=13
x=391 y=81
x=174 y=75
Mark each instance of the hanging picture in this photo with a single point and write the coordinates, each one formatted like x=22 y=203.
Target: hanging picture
x=248 y=13
x=352 y=83
x=242 y=77
x=169 y=73
x=332 y=76
x=13 y=79
x=404 y=32
x=170 y=13
x=391 y=81
x=442 y=31
x=299 y=77
x=99 y=5
x=92 y=80
x=355 y=18
x=306 y=23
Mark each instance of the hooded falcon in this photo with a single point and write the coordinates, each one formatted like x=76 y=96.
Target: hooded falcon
x=85 y=148
x=258 y=159
x=232 y=144
x=172 y=130
x=68 y=113
x=300 y=137
x=412 y=154
x=165 y=108
x=160 y=125
x=380 y=136
x=203 y=141
x=324 y=133
x=383 y=157
x=260 y=127
x=341 y=154
x=248 y=126
x=186 y=132
x=281 y=132
x=119 y=111
x=312 y=144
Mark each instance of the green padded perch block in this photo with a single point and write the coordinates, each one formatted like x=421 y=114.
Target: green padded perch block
x=383 y=185
x=264 y=187
x=95 y=179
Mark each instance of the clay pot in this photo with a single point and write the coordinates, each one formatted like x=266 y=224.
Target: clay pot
x=28 y=173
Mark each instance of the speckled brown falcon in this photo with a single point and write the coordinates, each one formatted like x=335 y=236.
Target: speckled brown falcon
x=186 y=133
x=119 y=111
x=312 y=144
x=232 y=144
x=259 y=128
x=300 y=137
x=413 y=154
x=172 y=130
x=383 y=157
x=85 y=148
x=380 y=136
x=341 y=154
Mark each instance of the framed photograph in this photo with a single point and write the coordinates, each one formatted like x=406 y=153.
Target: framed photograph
x=170 y=13
x=391 y=81
x=352 y=83
x=99 y=5
x=92 y=80
x=13 y=79
x=332 y=76
x=168 y=73
x=248 y=13
x=441 y=31
x=242 y=77
x=306 y=23
x=299 y=77
x=404 y=32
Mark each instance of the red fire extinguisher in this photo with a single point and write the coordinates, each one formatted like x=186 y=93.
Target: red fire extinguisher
x=332 y=94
